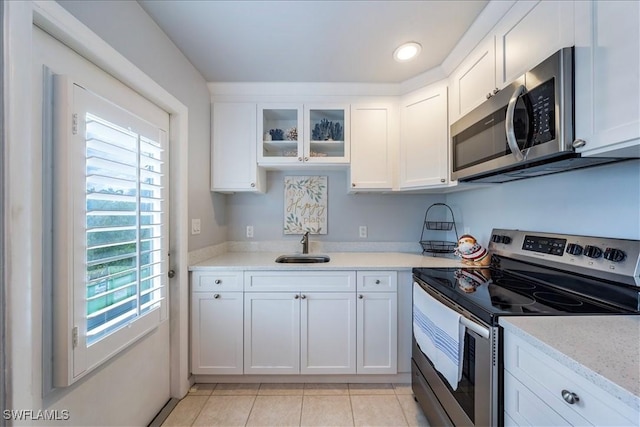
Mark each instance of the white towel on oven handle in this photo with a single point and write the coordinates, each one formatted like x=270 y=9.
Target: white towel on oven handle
x=440 y=335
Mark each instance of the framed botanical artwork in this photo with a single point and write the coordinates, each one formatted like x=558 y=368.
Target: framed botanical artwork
x=305 y=204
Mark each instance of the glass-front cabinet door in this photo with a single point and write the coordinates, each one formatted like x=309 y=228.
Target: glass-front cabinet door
x=280 y=133
x=326 y=133
x=295 y=134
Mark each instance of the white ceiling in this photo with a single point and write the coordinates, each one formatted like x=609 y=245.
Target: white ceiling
x=312 y=41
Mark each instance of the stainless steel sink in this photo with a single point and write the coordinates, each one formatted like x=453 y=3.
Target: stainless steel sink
x=302 y=258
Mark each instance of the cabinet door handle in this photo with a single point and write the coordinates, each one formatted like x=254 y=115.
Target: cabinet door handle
x=496 y=90
x=218 y=281
x=217 y=296
x=253 y=184
x=579 y=143
x=297 y=296
x=360 y=296
x=353 y=184
x=489 y=95
x=377 y=281
x=570 y=397
x=306 y=159
x=299 y=159
x=303 y=296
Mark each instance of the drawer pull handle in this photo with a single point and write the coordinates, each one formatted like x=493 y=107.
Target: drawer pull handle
x=570 y=397
x=216 y=296
x=377 y=281
x=360 y=296
x=218 y=281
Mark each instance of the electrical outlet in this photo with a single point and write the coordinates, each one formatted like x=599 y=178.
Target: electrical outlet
x=250 y=231
x=195 y=226
x=363 y=231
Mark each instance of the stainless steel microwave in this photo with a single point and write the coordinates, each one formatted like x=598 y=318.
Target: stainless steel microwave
x=524 y=130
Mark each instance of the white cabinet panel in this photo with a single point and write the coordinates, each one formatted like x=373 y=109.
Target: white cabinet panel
x=474 y=80
x=234 y=165
x=607 y=78
x=272 y=333
x=424 y=138
x=373 y=144
x=377 y=322
x=529 y=33
x=328 y=331
x=216 y=333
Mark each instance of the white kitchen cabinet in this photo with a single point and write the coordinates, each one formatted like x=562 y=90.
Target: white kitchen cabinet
x=377 y=332
x=328 y=333
x=280 y=133
x=374 y=142
x=424 y=144
x=234 y=165
x=528 y=34
x=272 y=333
x=474 y=81
x=300 y=322
x=216 y=323
x=534 y=384
x=607 y=77
x=322 y=135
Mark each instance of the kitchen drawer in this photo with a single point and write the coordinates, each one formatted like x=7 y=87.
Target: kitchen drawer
x=288 y=281
x=377 y=281
x=217 y=281
x=547 y=378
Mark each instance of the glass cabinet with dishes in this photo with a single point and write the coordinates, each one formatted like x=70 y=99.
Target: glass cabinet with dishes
x=300 y=134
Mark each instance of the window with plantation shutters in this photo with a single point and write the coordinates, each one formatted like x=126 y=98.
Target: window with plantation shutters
x=111 y=179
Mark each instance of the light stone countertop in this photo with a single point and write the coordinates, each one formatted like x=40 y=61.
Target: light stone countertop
x=339 y=261
x=605 y=350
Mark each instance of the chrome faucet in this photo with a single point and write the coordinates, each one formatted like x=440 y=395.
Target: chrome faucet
x=305 y=243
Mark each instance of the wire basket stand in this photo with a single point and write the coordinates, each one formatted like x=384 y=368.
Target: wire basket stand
x=438 y=246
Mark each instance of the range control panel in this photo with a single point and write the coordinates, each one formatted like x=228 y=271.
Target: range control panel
x=612 y=259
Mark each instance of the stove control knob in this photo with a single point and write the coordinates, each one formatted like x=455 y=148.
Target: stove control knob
x=592 y=251
x=496 y=238
x=614 y=255
x=574 y=249
x=506 y=240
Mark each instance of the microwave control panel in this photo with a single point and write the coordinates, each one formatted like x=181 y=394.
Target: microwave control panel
x=542 y=99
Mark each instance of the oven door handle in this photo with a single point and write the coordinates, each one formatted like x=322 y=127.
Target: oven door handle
x=466 y=321
x=478 y=329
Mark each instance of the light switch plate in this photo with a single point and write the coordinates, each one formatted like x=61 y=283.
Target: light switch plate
x=363 y=231
x=249 y=231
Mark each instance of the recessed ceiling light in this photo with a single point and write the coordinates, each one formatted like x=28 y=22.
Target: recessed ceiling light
x=407 y=51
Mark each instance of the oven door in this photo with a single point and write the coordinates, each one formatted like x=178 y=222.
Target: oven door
x=475 y=401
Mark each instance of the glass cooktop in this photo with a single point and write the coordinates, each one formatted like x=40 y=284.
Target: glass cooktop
x=489 y=293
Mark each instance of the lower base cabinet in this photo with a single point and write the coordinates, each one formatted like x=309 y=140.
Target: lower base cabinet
x=321 y=322
x=216 y=327
x=301 y=332
x=541 y=391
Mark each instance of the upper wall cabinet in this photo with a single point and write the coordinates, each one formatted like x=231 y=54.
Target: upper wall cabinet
x=374 y=133
x=293 y=134
x=233 y=152
x=424 y=147
x=475 y=80
x=529 y=33
x=607 y=78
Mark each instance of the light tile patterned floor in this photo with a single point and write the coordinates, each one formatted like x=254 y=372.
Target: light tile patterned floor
x=297 y=405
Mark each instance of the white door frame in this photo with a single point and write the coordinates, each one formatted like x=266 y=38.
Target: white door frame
x=22 y=264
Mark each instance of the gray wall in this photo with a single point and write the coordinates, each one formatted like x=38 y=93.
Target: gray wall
x=128 y=29
x=601 y=201
x=388 y=217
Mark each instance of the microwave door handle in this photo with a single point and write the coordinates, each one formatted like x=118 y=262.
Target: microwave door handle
x=508 y=123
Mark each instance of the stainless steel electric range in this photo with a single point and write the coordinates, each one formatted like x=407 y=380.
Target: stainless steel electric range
x=531 y=274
